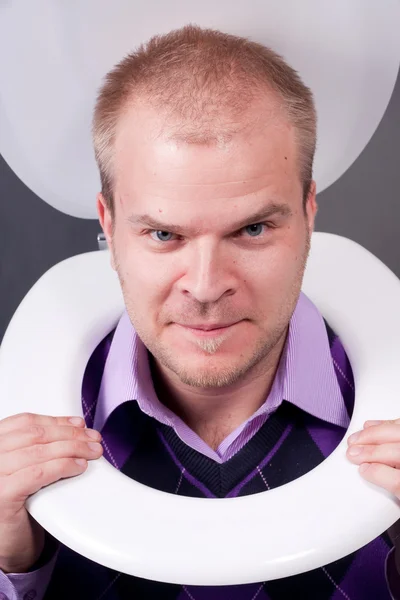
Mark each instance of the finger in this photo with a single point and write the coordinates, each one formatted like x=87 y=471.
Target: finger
x=41 y=453
x=39 y=434
x=387 y=432
x=387 y=454
x=383 y=476
x=372 y=423
x=28 y=481
x=24 y=420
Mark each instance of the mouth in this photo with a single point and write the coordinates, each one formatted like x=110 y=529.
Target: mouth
x=209 y=329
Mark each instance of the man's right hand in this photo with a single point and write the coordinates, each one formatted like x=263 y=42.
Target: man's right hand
x=35 y=450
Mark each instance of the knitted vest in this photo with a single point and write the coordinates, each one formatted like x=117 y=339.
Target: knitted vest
x=289 y=444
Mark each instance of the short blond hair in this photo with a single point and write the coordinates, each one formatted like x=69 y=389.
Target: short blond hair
x=193 y=73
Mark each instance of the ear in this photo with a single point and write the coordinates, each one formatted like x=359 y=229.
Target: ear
x=311 y=206
x=106 y=222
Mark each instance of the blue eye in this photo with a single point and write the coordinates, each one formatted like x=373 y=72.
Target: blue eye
x=162 y=236
x=254 y=230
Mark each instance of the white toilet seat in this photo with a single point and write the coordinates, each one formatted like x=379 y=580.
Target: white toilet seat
x=320 y=517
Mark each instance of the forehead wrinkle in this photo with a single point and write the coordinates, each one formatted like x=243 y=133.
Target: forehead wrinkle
x=163 y=196
x=194 y=184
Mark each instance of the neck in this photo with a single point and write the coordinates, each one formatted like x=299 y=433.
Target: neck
x=213 y=413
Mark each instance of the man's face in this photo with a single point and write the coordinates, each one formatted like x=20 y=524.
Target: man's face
x=210 y=244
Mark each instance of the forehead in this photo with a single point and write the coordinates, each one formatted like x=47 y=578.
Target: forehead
x=157 y=158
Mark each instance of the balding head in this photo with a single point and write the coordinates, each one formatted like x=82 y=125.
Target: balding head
x=206 y=87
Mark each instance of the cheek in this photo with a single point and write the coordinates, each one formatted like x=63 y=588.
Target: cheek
x=278 y=263
x=146 y=279
x=274 y=276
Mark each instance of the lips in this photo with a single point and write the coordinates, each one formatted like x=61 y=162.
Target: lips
x=206 y=327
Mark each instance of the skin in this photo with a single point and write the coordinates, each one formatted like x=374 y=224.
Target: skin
x=376 y=449
x=35 y=451
x=208 y=268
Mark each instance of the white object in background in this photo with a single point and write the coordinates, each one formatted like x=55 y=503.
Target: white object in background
x=316 y=519
x=57 y=53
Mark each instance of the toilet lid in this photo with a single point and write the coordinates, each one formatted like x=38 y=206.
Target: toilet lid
x=346 y=52
x=316 y=519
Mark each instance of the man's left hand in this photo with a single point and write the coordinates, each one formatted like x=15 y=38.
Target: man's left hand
x=377 y=450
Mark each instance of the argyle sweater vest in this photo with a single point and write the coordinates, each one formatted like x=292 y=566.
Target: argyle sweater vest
x=290 y=443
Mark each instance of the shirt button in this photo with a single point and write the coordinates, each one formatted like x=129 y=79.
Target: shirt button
x=31 y=595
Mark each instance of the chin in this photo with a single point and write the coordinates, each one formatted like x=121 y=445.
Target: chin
x=209 y=373
x=207 y=381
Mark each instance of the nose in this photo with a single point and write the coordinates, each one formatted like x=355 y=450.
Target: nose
x=209 y=274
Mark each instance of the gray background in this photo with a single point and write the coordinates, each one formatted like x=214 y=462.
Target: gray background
x=362 y=205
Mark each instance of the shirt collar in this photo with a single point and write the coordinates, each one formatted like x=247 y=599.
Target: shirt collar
x=307 y=370
x=305 y=375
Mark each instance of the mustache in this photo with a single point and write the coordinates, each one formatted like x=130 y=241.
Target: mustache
x=190 y=317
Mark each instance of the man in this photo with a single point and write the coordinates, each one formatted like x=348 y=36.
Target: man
x=221 y=379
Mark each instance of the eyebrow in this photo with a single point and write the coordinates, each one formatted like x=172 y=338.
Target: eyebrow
x=273 y=209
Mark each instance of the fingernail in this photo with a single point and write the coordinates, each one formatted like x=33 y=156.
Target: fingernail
x=363 y=467
x=92 y=433
x=354 y=450
x=76 y=421
x=80 y=461
x=93 y=446
x=353 y=438
x=371 y=423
